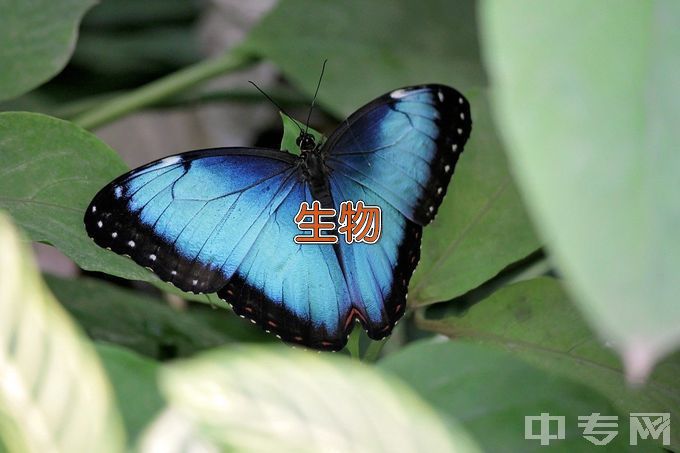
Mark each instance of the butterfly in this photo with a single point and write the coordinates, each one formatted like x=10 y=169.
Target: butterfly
x=222 y=220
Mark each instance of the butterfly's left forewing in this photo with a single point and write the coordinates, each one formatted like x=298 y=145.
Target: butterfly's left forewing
x=190 y=217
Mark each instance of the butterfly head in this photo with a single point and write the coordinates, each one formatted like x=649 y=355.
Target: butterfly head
x=305 y=142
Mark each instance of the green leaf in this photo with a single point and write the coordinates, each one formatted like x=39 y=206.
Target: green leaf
x=279 y=399
x=142 y=323
x=149 y=51
x=49 y=171
x=134 y=380
x=291 y=131
x=490 y=392
x=131 y=14
x=588 y=100
x=54 y=395
x=37 y=38
x=481 y=227
x=536 y=321
x=371 y=47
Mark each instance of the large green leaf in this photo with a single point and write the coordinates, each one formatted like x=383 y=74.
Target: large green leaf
x=54 y=395
x=371 y=47
x=49 y=171
x=490 y=392
x=151 y=50
x=145 y=324
x=278 y=399
x=133 y=14
x=535 y=320
x=481 y=226
x=588 y=98
x=37 y=38
x=134 y=380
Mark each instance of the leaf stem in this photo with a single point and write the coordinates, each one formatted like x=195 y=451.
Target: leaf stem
x=373 y=350
x=163 y=88
x=353 y=343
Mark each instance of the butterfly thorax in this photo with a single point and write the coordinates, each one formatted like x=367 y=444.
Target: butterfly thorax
x=314 y=169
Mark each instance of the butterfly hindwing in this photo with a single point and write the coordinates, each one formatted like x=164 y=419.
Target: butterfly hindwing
x=297 y=291
x=378 y=274
x=397 y=152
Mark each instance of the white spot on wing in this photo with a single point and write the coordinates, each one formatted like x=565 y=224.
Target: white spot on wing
x=459 y=130
x=454 y=147
x=152 y=257
x=118 y=191
x=460 y=100
x=440 y=95
x=439 y=190
x=194 y=282
x=398 y=94
x=114 y=235
x=447 y=168
x=431 y=208
x=100 y=224
x=170 y=160
x=174 y=272
x=462 y=115
x=94 y=209
x=131 y=244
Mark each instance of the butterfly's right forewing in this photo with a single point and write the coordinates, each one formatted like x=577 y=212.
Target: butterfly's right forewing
x=404 y=146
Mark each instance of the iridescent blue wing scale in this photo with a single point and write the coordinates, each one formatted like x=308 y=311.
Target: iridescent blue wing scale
x=222 y=221
x=397 y=152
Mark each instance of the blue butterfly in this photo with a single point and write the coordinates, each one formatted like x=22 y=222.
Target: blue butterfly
x=222 y=220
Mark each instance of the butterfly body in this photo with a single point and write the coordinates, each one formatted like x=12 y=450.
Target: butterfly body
x=221 y=220
x=315 y=172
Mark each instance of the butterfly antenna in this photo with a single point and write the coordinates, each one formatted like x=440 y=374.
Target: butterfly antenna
x=309 y=115
x=277 y=105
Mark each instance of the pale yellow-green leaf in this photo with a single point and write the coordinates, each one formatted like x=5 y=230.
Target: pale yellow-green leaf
x=587 y=96
x=278 y=399
x=54 y=395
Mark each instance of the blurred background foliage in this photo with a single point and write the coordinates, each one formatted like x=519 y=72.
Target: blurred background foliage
x=526 y=298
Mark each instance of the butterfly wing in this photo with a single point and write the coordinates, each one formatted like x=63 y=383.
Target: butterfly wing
x=397 y=152
x=404 y=146
x=378 y=274
x=297 y=291
x=223 y=221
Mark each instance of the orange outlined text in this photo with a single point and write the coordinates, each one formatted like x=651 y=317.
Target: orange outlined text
x=360 y=223
x=356 y=223
x=315 y=225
